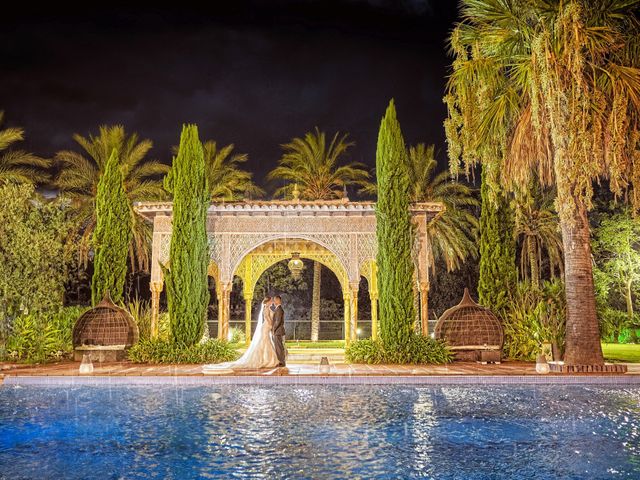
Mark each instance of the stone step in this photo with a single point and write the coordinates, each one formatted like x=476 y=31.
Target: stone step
x=308 y=355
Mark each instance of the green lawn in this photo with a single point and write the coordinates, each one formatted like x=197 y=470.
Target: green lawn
x=621 y=352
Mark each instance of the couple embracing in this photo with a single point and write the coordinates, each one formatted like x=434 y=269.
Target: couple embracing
x=267 y=348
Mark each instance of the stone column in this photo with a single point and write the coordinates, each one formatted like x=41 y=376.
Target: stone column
x=353 y=311
x=156 y=289
x=424 y=308
x=248 y=301
x=347 y=318
x=374 y=314
x=223 y=310
x=416 y=307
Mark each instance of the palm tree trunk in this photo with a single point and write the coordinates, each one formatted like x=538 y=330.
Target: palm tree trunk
x=582 y=332
x=533 y=262
x=315 y=301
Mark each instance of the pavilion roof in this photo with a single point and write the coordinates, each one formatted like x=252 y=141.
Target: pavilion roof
x=280 y=207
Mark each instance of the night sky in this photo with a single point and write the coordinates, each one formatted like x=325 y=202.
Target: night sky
x=250 y=73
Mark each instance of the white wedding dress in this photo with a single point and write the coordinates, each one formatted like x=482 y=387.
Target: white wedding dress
x=260 y=354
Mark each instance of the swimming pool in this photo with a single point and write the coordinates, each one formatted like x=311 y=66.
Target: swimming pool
x=363 y=431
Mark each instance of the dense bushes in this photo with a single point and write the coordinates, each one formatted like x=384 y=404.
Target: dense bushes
x=534 y=316
x=165 y=351
x=38 y=338
x=419 y=350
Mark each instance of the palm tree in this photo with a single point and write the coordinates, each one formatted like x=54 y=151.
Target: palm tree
x=313 y=167
x=80 y=173
x=226 y=180
x=537 y=231
x=454 y=233
x=18 y=165
x=551 y=87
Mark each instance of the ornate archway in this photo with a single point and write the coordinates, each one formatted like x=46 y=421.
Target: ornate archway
x=342 y=232
x=259 y=260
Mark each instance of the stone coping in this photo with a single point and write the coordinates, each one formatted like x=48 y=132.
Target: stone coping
x=90 y=380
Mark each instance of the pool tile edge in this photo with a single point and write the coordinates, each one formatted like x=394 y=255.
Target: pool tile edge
x=324 y=380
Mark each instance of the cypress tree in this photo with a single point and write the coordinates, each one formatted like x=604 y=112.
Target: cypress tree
x=395 y=235
x=186 y=277
x=498 y=274
x=112 y=234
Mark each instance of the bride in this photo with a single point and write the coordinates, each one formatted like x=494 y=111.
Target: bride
x=260 y=354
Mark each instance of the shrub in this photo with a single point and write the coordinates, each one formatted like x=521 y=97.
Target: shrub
x=418 y=350
x=534 y=316
x=164 y=351
x=365 y=351
x=38 y=338
x=237 y=336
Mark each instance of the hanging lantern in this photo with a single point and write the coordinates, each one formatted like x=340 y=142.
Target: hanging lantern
x=296 y=266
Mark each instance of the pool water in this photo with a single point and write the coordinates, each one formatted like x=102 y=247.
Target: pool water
x=443 y=432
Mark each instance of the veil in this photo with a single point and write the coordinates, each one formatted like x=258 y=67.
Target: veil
x=248 y=358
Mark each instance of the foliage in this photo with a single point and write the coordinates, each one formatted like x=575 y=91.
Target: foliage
x=18 y=166
x=42 y=337
x=419 y=350
x=497 y=267
x=112 y=235
x=616 y=248
x=165 y=351
x=538 y=232
x=186 y=280
x=621 y=353
x=535 y=315
x=367 y=351
x=315 y=167
x=615 y=325
x=551 y=89
x=453 y=233
x=140 y=310
x=446 y=288
x=395 y=235
x=237 y=336
x=33 y=253
x=225 y=178
x=80 y=173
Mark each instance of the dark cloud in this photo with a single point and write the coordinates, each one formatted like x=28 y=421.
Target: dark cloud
x=251 y=74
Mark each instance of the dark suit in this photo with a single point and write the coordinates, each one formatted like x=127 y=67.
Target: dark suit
x=277 y=329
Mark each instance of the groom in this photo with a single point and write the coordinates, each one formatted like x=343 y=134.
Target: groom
x=277 y=329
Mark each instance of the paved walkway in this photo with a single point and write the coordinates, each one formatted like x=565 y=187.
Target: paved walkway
x=294 y=369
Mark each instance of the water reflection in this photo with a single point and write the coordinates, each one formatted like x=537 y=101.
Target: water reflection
x=320 y=432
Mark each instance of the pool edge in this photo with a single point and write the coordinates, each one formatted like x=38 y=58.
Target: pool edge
x=628 y=379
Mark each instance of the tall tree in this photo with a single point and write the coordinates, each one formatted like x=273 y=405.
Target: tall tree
x=313 y=166
x=395 y=235
x=617 y=252
x=453 y=234
x=17 y=165
x=34 y=253
x=551 y=87
x=112 y=235
x=80 y=173
x=186 y=275
x=498 y=275
x=538 y=233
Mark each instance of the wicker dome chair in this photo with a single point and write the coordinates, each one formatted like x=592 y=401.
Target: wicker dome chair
x=472 y=331
x=105 y=332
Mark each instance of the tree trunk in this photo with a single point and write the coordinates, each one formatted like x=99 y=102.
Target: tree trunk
x=582 y=333
x=633 y=338
x=315 y=301
x=533 y=262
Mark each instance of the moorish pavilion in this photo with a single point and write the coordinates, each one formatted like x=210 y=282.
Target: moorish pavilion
x=246 y=238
